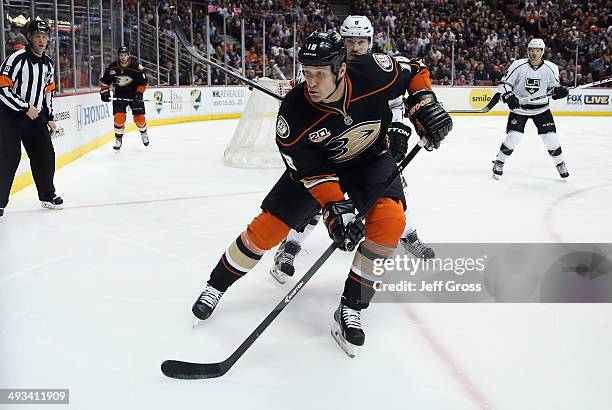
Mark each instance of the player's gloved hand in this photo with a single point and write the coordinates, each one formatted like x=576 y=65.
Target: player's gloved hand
x=138 y=97
x=429 y=118
x=559 y=92
x=343 y=228
x=398 y=134
x=510 y=99
x=105 y=95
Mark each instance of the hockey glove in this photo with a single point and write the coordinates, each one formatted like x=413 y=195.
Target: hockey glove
x=343 y=228
x=429 y=118
x=138 y=97
x=559 y=92
x=105 y=95
x=511 y=100
x=398 y=134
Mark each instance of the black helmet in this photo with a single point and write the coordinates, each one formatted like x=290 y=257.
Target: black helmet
x=321 y=49
x=123 y=49
x=37 y=26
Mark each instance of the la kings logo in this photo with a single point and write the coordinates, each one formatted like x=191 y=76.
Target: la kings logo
x=532 y=85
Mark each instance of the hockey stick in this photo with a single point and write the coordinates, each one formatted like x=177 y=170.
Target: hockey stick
x=135 y=100
x=487 y=108
x=197 y=54
x=589 y=85
x=188 y=370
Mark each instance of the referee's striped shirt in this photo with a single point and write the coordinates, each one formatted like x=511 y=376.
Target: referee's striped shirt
x=26 y=79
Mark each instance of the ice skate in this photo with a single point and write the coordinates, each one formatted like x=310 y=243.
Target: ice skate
x=283 y=267
x=206 y=303
x=498 y=169
x=413 y=244
x=145 y=138
x=562 y=170
x=118 y=143
x=347 y=330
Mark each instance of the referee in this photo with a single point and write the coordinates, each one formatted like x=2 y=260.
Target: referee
x=26 y=115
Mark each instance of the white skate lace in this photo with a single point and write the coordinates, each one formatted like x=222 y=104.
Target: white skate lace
x=351 y=317
x=288 y=254
x=210 y=297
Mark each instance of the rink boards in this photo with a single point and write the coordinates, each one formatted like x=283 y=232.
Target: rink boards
x=85 y=123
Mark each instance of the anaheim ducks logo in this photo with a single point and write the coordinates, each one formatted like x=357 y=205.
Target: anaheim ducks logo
x=123 y=80
x=353 y=141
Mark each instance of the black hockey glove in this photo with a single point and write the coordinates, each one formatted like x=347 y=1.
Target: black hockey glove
x=343 y=228
x=138 y=97
x=511 y=100
x=398 y=134
x=105 y=95
x=559 y=92
x=429 y=118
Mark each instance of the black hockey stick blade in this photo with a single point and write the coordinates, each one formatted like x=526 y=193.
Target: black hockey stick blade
x=179 y=30
x=177 y=369
x=487 y=108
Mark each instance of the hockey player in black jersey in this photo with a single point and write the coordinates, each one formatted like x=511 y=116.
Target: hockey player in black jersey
x=358 y=35
x=129 y=81
x=331 y=134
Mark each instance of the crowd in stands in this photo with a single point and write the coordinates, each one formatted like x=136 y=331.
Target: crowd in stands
x=277 y=62
x=485 y=37
x=481 y=37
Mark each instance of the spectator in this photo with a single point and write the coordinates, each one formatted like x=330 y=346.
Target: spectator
x=480 y=74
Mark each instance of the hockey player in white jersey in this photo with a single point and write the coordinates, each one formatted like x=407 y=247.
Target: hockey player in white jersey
x=524 y=88
x=358 y=35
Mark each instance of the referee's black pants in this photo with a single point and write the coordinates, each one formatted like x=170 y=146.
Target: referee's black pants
x=37 y=142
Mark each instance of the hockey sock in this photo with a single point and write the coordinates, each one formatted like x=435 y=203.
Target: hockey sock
x=365 y=270
x=263 y=233
x=140 y=122
x=551 y=140
x=237 y=260
x=507 y=147
x=119 y=121
x=384 y=226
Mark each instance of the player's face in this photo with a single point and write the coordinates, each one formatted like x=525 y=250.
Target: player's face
x=320 y=82
x=356 y=46
x=535 y=55
x=123 y=58
x=38 y=42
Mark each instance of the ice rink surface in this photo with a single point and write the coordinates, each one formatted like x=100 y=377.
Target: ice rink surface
x=93 y=298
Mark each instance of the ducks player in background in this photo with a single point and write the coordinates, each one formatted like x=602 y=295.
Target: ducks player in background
x=129 y=82
x=526 y=80
x=358 y=35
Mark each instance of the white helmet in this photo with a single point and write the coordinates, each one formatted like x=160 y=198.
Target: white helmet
x=357 y=26
x=536 y=43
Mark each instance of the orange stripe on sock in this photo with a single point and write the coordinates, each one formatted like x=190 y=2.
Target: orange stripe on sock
x=227 y=266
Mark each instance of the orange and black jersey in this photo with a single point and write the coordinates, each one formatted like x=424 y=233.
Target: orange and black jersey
x=319 y=140
x=127 y=81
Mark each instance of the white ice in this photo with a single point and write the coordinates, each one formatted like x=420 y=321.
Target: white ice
x=93 y=298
